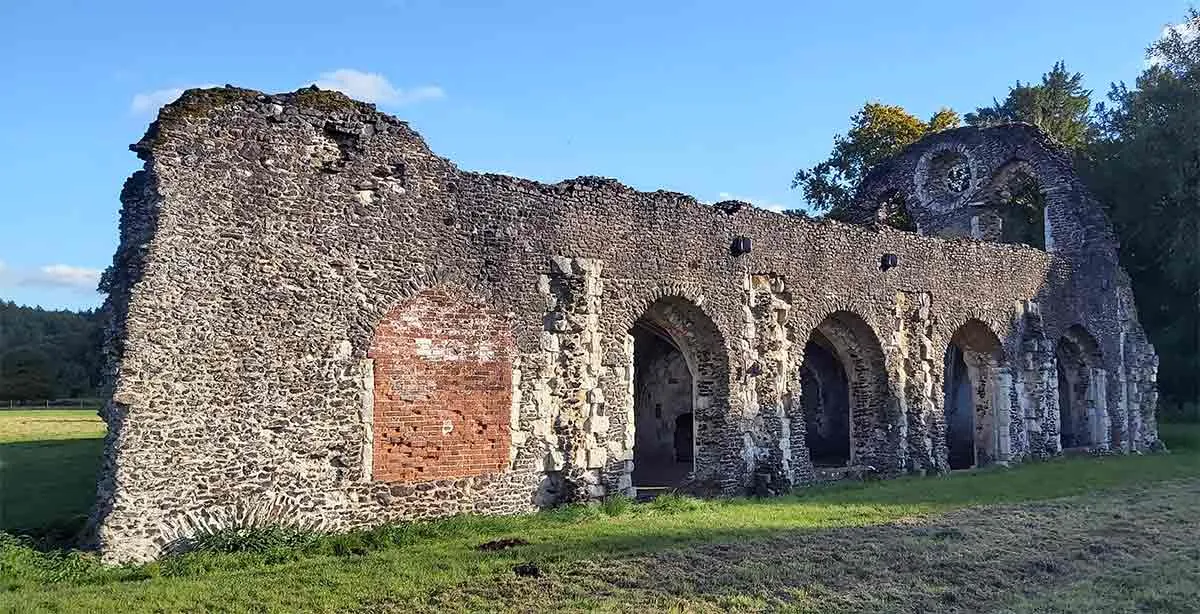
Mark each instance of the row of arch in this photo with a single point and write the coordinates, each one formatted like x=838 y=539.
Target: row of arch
x=426 y=413
x=842 y=385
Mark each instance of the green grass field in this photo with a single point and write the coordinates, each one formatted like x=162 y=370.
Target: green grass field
x=1069 y=535
x=48 y=463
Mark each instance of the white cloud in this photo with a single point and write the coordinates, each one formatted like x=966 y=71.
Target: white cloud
x=1188 y=30
x=147 y=102
x=62 y=276
x=374 y=87
x=761 y=204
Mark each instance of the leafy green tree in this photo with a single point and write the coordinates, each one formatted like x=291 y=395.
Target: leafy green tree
x=877 y=132
x=26 y=373
x=1146 y=167
x=1059 y=105
x=49 y=354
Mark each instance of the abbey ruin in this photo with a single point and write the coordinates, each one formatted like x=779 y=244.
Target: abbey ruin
x=316 y=320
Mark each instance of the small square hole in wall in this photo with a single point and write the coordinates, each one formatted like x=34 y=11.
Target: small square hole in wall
x=741 y=245
x=888 y=261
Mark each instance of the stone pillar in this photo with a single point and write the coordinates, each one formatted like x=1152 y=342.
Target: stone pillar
x=914 y=376
x=1002 y=384
x=1149 y=405
x=1038 y=388
x=1097 y=406
x=772 y=378
x=573 y=290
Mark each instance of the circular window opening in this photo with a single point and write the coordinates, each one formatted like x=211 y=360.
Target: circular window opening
x=949 y=175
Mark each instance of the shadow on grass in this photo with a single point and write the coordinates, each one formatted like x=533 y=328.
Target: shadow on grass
x=47 y=487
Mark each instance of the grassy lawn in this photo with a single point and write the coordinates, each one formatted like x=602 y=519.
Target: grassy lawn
x=1070 y=535
x=48 y=463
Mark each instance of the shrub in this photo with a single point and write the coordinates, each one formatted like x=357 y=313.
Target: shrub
x=673 y=503
x=617 y=505
x=258 y=540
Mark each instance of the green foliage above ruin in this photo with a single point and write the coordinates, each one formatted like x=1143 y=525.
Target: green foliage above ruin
x=877 y=132
x=1059 y=105
x=1145 y=166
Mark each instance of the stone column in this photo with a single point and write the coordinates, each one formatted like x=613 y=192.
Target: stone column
x=914 y=375
x=573 y=289
x=771 y=376
x=1097 y=405
x=1037 y=391
x=1002 y=384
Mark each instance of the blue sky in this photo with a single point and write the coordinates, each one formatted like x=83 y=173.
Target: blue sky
x=715 y=99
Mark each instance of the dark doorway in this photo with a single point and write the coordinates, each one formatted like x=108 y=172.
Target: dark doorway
x=683 y=438
x=825 y=392
x=960 y=410
x=1067 y=428
x=663 y=427
x=1080 y=408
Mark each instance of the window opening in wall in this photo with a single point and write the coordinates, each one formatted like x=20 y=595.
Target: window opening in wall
x=949 y=175
x=1021 y=207
x=893 y=211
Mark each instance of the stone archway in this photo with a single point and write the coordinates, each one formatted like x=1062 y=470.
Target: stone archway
x=976 y=398
x=1082 y=411
x=843 y=384
x=1013 y=208
x=680 y=381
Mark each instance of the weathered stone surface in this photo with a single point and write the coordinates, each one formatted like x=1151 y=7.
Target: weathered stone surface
x=299 y=276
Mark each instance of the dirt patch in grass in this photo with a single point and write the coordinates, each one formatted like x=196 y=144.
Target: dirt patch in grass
x=501 y=544
x=1084 y=554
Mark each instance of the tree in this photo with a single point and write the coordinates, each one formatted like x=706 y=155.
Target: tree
x=49 y=354
x=26 y=374
x=1058 y=105
x=877 y=132
x=1145 y=166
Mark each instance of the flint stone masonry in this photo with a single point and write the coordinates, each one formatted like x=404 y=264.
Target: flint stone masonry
x=317 y=321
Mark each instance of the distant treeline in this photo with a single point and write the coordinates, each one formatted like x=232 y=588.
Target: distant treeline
x=49 y=354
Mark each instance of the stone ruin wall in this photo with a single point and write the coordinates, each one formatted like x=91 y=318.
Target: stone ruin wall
x=318 y=321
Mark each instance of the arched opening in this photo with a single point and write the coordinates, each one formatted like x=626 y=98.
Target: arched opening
x=678 y=394
x=975 y=392
x=1081 y=390
x=826 y=394
x=843 y=386
x=893 y=211
x=662 y=395
x=1013 y=209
